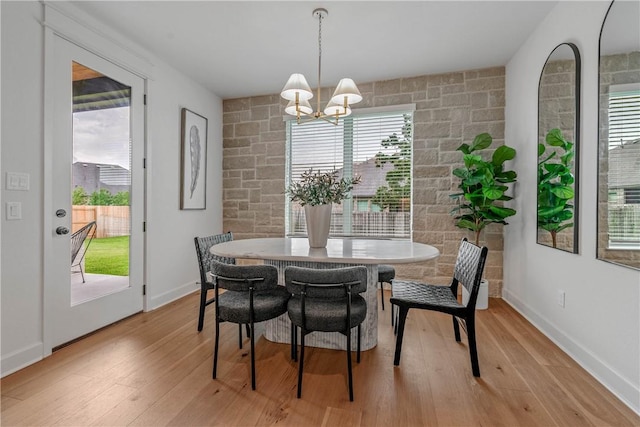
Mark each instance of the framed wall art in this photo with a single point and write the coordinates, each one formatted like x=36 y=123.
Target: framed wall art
x=193 y=174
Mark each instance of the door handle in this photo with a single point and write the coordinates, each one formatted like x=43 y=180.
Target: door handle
x=62 y=230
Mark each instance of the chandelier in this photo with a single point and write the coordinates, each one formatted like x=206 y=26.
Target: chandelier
x=298 y=92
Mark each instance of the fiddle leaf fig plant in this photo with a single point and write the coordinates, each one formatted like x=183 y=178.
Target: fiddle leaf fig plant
x=555 y=184
x=483 y=184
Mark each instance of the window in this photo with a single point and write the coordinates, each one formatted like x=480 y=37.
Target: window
x=624 y=175
x=377 y=146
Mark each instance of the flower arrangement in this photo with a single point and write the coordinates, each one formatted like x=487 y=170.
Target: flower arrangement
x=321 y=188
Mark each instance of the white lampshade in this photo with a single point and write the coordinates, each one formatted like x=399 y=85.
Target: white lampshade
x=348 y=88
x=297 y=83
x=332 y=107
x=304 y=106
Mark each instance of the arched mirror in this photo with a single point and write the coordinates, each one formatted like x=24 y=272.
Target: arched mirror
x=558 y=142
x=619 y=136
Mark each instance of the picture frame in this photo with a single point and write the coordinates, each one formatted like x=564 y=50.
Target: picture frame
x=193 y=161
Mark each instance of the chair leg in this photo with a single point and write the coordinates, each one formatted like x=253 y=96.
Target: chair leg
x=358 y=356
x=456 y=328
x=382 y=294
x=240 y=335
x=301 y=363
x=396 y=315
x=393 y=307
x=253 y=358
x=402 y=317
x=248 y=331
x=294 y=342
x=473 y=350
x=203 y=304
x=349 y=365
x=215 y=349
x=81 y=273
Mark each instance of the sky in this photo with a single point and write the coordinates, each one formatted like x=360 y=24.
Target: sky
x=102 y=136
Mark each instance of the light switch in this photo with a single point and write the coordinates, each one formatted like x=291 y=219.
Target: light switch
x=14 y=211
x=17 y=181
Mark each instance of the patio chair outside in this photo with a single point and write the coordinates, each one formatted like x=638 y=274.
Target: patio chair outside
x=79 y=248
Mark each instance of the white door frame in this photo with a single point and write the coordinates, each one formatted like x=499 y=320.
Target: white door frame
x=60 y=21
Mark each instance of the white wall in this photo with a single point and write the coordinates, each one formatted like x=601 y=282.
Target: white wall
x=171 y=261
x=600 y=324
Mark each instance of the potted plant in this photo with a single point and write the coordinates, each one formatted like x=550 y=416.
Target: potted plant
x=555 y=184
x=483 y=184
x=316 y=191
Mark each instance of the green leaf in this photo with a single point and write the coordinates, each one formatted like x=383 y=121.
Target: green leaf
x=555 y=139
x=564 y=226
x=550 y=211
x=471 y=160
x=541 y=149
x=464 y=223
x=492 y=193
x=480 y=142
x=555 y=168
x=567 y=158
x=551 y=156
x=502 y=211
x=563 y=192
x=464 y=148
x=502 y=154
x=508 y=176
x=461 y=173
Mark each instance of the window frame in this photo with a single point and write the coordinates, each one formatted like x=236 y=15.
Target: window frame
x=348 y=206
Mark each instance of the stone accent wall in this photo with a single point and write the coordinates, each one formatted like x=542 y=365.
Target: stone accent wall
x=451 y=109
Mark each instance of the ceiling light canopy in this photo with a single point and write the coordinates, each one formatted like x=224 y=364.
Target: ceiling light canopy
x=298 y=92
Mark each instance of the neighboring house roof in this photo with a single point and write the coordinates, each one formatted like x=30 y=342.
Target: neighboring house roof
x=626 y=173
x=372 y=177
x=93 y=176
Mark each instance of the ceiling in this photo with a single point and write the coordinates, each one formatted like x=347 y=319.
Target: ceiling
x=243 y=48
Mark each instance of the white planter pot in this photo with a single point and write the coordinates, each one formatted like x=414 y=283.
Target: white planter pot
x=482 y=302
x=318 y=221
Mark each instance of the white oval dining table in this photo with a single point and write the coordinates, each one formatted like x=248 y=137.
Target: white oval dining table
x=282 y=252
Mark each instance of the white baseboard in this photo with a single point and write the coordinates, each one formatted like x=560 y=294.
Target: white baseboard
x=172 y=295
x=624 y=390
x=21 y=359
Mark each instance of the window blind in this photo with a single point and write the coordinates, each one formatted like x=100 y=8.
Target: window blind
x=375 y=146
x=624 y=167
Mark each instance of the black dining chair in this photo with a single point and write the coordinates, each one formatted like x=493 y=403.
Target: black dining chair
x=468 y=272
x=252 y=295
x=325 y=300
x=203 y=246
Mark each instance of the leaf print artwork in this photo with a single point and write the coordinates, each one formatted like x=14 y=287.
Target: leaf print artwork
x=194 y=145
x=193 y=160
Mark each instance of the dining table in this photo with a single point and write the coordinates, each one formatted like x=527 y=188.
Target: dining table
x=282 y=252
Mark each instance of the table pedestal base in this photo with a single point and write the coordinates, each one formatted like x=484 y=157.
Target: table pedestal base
x=279 y=329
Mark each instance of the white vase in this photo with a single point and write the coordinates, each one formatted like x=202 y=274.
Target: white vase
x=482 y=300
x=318 y=221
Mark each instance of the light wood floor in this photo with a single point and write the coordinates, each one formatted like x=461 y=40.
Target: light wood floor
x=154 y=369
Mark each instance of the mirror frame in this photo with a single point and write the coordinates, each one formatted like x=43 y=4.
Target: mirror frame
x=576 y=146
x=603 y=145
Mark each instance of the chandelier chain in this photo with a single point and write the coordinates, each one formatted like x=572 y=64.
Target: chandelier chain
x=319 y=56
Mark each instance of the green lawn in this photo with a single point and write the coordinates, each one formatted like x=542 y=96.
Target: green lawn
x=109 y=255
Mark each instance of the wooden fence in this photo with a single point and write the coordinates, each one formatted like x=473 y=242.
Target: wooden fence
x=111 y=221
x=369 y=224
